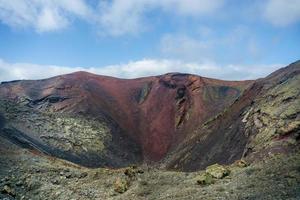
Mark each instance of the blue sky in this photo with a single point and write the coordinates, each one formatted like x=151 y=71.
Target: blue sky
x=226 y=39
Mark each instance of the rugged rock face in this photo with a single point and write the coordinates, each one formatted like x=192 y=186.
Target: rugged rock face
x=264 y=120
x=103 y=121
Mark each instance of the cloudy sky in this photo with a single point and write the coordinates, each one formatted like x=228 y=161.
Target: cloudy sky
x=226 y=39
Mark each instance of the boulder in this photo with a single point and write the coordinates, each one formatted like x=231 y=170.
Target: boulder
x=241 y=163
x=8 y=190
x=217 y=171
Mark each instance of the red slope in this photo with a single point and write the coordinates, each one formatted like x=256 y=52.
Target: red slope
x=158 y=112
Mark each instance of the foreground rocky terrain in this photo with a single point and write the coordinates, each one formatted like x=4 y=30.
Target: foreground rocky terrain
x=28 y=175
x=175 y=136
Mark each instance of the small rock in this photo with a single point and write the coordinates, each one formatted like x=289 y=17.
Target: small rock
x=8 y=190
x=69 y=175
x=33 y=184
x=19 y=183
x=242 y=163
x=95 y=175
x=257 y=122
x=217 y=171
x=55 y=181
x=83 y=175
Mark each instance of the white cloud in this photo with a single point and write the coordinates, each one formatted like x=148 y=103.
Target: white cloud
x=191 y=7
x=116 y=17
x=282 y=12
x=235 y=45
x=120 y=17
x=42 y=15
x=16 y=71
x=50 y=20
x=185 y=47
x=146 y=67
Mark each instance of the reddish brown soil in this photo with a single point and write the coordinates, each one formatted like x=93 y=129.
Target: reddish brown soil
x=157 y=112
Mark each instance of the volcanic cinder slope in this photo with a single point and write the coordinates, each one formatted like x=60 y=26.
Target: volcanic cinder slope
x=142 y=119
x=180 y=121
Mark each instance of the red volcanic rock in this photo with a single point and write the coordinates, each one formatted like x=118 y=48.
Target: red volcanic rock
x=158 y=112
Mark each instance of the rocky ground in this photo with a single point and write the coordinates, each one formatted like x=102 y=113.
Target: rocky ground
x=29 y=175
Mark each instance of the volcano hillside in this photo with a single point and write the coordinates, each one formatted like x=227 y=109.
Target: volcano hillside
x=175 y=122
x=103 y=121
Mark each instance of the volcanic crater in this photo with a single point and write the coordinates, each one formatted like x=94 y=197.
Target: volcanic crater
x=180 y=121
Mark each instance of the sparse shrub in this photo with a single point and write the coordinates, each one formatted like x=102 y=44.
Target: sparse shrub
x=121 y=185
x=250 y=171
x=205 y=179
x=130 y=171
x=220 y=189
